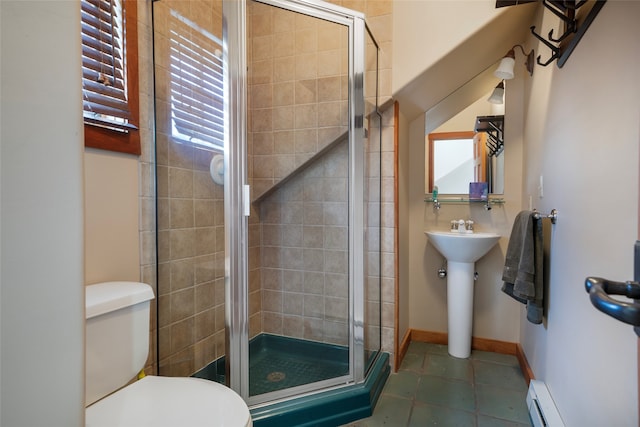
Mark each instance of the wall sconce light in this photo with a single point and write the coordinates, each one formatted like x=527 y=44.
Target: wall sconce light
x=497 y=96
x=505 y=69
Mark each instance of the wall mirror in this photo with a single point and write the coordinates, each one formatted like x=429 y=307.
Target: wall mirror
x=455 y=160
x=455 y=154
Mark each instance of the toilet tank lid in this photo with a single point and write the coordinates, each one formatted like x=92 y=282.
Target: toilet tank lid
x=102 y=298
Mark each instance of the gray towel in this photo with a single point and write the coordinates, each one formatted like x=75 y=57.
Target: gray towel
x=523 y=268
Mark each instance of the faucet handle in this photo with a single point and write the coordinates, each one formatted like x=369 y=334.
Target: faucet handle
x=469 y=225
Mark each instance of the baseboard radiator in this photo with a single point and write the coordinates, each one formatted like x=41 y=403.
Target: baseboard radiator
x=542 y=410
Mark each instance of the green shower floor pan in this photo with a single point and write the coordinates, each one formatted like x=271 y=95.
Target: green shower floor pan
x=277 y=363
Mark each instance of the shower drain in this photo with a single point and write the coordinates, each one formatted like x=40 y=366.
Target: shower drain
x=276 y=376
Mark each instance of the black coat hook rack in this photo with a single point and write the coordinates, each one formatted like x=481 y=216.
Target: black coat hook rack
x=566 y=11
x=494 y=128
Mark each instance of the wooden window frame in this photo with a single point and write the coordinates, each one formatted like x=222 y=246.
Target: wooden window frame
x=114 y=140
x=442 y=136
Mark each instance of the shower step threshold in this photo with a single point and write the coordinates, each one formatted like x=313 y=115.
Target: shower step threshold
x=329 y=408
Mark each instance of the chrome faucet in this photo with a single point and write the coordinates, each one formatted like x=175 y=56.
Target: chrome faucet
x=462 y=226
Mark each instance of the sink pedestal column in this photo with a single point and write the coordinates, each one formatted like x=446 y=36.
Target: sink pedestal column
x=460 y=307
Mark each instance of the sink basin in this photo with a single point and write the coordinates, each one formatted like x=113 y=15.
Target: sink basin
x=460 y=247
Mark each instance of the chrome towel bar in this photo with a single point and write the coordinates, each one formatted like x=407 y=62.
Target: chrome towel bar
x=553 y=215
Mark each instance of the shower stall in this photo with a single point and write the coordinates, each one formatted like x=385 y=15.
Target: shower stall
x=268 y=198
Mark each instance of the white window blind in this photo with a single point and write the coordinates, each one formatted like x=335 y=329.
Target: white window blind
x=196 y=84
x=103 y=65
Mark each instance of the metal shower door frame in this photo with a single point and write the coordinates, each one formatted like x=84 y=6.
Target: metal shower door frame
x=235 y=187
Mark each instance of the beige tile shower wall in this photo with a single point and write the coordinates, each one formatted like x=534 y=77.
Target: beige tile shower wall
x=190 y=221
x=297 y=90
x=289 y=120
x=388 y=266
x=255 y=274
x=372 y=236
x=380 y=235
x=305 y=253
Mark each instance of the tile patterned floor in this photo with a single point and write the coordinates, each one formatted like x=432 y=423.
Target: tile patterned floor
x=432 y=388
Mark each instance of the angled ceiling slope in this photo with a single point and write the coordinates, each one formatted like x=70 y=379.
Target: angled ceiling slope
x=460 y=99
x=471 y=58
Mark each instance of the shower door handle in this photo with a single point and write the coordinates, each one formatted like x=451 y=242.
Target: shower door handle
x=246 y=202
x=599 y=290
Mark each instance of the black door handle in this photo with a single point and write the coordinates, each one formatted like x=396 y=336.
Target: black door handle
x=599 y=290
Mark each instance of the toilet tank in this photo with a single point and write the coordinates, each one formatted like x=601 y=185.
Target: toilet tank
x=117 y=335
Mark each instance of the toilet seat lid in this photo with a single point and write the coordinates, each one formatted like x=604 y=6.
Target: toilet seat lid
x=170 y=401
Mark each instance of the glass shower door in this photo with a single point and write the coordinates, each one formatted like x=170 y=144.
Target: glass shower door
x=299 y=110
x=190 y=150
x=298 y=169
x=373 y=207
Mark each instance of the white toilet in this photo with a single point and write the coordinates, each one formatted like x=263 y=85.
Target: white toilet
x=117 y=346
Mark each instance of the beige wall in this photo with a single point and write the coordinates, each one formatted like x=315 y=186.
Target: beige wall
x=120 y=190
x=434 y=26
x=119 y=205
x=465 y=120
x=583 y=136
x=111 y=206
x=470 y=36
x=495 y=317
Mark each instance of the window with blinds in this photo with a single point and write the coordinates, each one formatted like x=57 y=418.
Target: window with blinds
x=196 y=84
x=109 y=72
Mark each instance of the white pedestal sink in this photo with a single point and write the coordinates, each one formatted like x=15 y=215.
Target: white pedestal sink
x=461 y=251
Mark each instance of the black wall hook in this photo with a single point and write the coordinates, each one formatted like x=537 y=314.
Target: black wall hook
x=566 y=11
x=554 y=49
